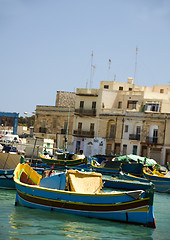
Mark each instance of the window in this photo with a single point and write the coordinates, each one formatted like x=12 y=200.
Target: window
x=79 y=126
x=108 y=149
x=42 y=130
x=91 y=127
x=138 y=131
x=81 y=104
x=124 y=149
x=93 y=105
x=106 y=86
x=120 y=88
x=155 y=135
x=135 y=148
x=154 y=107
x=112 y=131
x=130 y=89
x=161 y=90
x=77 y=146
x=131 y=104
x=126 y=128
x=119 y=104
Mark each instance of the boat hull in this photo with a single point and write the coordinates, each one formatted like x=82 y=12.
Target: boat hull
x=160 y=186
x=138 y=212
x=62 y=162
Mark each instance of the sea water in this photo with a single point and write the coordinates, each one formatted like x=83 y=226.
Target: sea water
x=17 y=223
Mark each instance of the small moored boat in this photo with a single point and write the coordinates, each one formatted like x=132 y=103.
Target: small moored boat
x=81 y=193
x=161 y=184
x=63 y=159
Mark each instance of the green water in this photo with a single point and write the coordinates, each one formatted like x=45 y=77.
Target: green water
x=18 y=223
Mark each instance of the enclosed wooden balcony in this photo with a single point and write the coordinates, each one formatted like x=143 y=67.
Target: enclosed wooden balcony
x=134 y=137
x=86 y=112
x=80 y=133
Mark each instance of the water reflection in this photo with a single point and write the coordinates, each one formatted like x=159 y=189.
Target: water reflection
x=28 y=223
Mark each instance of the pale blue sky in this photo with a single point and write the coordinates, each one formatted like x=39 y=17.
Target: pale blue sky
x=46 y=45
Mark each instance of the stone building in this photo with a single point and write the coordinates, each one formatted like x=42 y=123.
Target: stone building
x=53 y=121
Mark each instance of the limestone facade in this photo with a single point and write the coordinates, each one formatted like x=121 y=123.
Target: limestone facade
x=123 y=118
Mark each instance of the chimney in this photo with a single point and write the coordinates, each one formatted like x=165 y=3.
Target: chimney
x=130 y=80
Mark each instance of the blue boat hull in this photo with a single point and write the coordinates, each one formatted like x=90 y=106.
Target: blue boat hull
x=160 y=186
x=142 y=213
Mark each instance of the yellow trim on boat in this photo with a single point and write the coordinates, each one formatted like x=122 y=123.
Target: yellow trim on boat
x=156 y=174
x=85 y=204
x=69 y=192
x=140 y=209
x=61 y=160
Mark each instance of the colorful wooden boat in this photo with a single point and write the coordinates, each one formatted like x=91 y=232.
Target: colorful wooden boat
x=6 y=179
x=80 y=193
x=8 y=162
x=116 y=183
x=111 y=169
x=114 y=167
x=63 y=160
x=160 y=185
x=155 y=175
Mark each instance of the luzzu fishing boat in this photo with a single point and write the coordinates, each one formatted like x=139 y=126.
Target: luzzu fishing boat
x=155 y=175
x=63 y=159
x=110 y=168
x=8 y=162
x=81 y=193
x=132 y=164
x=161 y=183
x=6 y=179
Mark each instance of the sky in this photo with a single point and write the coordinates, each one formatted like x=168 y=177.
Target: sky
x=46 y=46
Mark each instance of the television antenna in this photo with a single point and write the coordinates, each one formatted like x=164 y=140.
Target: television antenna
x=136 y=63
x=92 y=70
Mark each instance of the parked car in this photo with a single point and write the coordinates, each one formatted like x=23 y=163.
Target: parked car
x=8 y=148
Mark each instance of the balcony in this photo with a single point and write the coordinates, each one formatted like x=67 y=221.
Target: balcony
x=110 y=136
x=153 y=140
x=80 y=133
x=134 y=137
x=87 y=112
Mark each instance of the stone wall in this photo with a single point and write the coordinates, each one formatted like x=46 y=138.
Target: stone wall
x=65 y=99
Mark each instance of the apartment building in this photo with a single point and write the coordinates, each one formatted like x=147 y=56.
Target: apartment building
x=117 y=118
x=127 y=119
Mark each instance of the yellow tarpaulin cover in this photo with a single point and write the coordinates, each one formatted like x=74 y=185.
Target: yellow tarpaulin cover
x=84 y=182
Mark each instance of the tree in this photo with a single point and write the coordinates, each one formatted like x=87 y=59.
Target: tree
x=26 y=121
